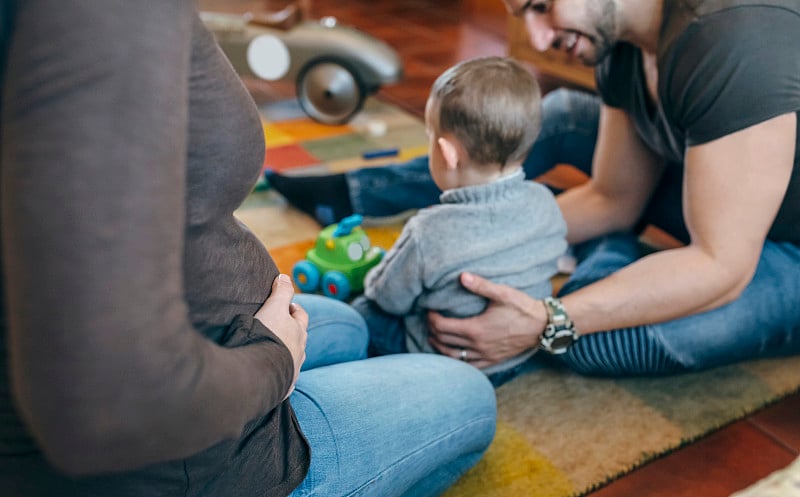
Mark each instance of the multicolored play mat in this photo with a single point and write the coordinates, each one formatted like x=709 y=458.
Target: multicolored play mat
x=381 y=133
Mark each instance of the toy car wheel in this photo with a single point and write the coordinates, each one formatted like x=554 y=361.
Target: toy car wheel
x=306 y=276
x=335 y=285
x=330 y=91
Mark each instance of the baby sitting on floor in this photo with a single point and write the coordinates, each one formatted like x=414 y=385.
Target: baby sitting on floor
x=482 y=118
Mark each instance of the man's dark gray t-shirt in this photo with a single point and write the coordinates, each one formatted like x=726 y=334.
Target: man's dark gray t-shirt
x=723 y=65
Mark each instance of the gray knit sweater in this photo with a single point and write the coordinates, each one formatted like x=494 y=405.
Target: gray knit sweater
x=510 y=231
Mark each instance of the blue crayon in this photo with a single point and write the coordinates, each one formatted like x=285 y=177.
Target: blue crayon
x=377 y=154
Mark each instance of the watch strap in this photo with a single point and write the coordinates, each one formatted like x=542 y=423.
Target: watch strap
x=559 y=333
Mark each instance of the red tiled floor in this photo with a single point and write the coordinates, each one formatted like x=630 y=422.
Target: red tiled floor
x=781 y=422
x=716 y=466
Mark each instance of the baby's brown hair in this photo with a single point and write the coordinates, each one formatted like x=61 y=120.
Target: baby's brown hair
x=491 y=105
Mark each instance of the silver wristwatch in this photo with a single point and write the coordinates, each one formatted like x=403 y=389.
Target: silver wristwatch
x=560 y=332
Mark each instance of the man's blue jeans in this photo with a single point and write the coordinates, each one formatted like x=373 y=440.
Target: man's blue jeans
x=764 y=321
x=400 y=425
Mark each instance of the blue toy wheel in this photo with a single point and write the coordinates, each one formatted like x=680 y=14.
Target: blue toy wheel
x=335 y=285
x=306 y=276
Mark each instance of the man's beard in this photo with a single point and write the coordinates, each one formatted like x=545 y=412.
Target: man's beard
x=604 y=39
x=602 y=49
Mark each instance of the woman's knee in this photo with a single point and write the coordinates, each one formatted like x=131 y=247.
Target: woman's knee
x=452 y=392
x=461 y=398
x=468 y=382
x=443 y=411
x=435 y=397
x=478 y=404
x=445 y=377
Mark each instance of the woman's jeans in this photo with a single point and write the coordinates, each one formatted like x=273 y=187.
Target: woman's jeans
x=764 y=321
x=401 y=425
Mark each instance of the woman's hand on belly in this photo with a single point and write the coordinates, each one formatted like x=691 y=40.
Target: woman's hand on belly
x=287 y=320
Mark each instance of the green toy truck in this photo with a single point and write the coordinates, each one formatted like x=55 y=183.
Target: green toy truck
x=339 y=260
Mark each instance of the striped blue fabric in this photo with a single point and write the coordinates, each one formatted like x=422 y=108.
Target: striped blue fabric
x=626 y=352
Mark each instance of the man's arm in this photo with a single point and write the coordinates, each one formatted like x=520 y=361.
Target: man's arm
x=625 y=173
x=733 y=187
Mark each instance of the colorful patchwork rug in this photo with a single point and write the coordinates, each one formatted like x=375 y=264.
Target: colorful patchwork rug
x=558 y=434
x=380 y=134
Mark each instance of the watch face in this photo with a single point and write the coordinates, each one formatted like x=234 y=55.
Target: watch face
x=562 y=340
x=558 y=341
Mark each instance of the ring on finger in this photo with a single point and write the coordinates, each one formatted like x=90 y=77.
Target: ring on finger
x=463 y=355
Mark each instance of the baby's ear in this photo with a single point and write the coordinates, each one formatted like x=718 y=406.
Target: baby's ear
x=450 y=151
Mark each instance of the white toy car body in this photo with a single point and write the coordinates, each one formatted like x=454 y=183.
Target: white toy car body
x=334 y=67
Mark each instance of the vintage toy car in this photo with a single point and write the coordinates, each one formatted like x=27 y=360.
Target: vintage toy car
x=340 y=259
x=334 y=67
